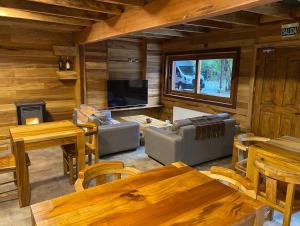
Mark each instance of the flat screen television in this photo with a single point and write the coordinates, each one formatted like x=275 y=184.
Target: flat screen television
x=126 y=93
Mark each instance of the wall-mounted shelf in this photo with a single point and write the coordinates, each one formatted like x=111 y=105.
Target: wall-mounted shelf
x=67 y=75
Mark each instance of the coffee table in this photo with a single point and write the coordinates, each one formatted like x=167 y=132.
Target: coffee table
x=141 y=120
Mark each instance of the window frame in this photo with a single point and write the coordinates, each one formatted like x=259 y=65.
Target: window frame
x=229 y=102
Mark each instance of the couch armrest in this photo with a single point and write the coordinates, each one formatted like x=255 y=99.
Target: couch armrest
x=162 y=145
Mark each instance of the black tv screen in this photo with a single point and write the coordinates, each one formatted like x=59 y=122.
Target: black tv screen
x=123 y=93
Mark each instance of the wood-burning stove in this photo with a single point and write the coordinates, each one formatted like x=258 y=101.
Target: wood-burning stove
x=31 y=112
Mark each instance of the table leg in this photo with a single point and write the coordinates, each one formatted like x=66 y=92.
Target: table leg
x=234 y=157
x=259 y=219
x=80 y=151
x=33 y=223
x=97 y=145
x=22 y=174
x=250 y=163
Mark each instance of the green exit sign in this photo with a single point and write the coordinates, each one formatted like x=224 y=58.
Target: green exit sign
x=289 y=30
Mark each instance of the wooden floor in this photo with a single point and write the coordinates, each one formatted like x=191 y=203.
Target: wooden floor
x=47 y=180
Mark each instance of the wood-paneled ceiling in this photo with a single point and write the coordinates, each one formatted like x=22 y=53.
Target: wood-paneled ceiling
x=75 y=15
x=276 y=12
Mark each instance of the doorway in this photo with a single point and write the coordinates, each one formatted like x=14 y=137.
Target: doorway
x=276 y=107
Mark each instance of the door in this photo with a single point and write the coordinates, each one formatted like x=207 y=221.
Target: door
x=276 y=109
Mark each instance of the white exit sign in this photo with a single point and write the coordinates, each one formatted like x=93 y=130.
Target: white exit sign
x=289 y=30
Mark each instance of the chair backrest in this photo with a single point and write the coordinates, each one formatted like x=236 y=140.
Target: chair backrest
x=232 y=179
x=269 y=180
x=91 y=130
x=100 y=172
x=243 y=141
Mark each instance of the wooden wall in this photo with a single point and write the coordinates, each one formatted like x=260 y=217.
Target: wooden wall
x=95 y=74
x=121 y=59
x=125 y=59
x=248 y=39
x=153 y=71
x=28 y=72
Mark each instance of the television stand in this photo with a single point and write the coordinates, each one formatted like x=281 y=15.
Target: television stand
x=141 y=107
x=149 y=110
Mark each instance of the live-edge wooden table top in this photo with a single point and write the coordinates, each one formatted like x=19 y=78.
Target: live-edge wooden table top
x=164 y=196
x=44 y=131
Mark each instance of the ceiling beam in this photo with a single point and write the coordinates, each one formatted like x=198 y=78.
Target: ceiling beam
x=159 y=13
x=16 y=13
x=125 y=2
x=274 y=10
x=239 y=18
x=89 y=5
x=20 y=23
x=164 y=32
x=211 y=24
x=149 y=36
x=52 y=10
x=189 y=28
x=296 y=12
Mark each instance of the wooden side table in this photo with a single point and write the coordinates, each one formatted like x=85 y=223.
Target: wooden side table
x=29 y=137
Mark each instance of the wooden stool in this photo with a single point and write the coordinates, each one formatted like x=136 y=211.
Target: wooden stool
x=91 y=149
x=240 y=147
x=99 y=171
x=8 y=165
x=232 y=179
x=270 y=192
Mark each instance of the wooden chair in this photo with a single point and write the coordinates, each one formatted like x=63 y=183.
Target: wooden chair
x=101 y=172
x=8 y=165
x=91 y=149
x=239 y=183
x=232 y=179
x=269 y=190
x=240 y=148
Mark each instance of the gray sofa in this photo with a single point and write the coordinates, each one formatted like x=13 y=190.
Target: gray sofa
x=119 y=137
x=167 y=146
x=113 y=138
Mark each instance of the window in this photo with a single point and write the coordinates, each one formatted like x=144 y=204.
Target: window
x=209 y=77
x=184 y=75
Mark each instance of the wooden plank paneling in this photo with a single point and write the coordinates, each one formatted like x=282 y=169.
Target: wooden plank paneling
x=28 y=72
x=96 y=75
x=125 y=60
x=153 y=71
x=110 y=60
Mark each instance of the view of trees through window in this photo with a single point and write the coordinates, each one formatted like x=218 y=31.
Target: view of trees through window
x=214 y=78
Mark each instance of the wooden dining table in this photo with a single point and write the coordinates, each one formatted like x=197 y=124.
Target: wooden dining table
x=284 y=151
x=30 y=137
x=175 y=194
